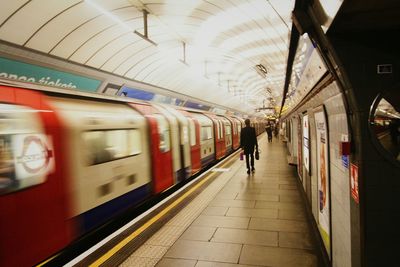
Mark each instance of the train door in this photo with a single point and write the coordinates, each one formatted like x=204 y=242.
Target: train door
x=207 y=143
x=194 y=141
x=161 y=155
x=178 y=170
x=227 y=125
x=184 y=142
x=236 y=127
x=219 y=133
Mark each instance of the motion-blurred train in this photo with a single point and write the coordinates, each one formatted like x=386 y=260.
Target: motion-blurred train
x=69 y=164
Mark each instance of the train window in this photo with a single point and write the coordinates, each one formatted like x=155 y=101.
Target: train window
x=228 y=129
x=184 y=135
x=25 y=151
x=385 y=123
x=109 y=145
x=164 y=133
x=206 y=133
x=192 y=132
x=220 y=129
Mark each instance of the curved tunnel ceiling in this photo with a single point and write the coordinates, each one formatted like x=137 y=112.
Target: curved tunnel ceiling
x=205 y=49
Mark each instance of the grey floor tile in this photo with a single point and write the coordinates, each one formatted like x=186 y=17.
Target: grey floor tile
x=288 y=187
x=295 y=240
x=239 y=236
x=150 y=251
x=221 y=221
x=278 y=225
x=292 y=199
x=293 y=193
x=167 y=262
x=199 y=233
x=264 y=197
x=248 y=212
x=220 y=211
x=232 y=203
x=226 y=195
x=250 y=191
x=207 y=251
x=220 y=264
x=277 y=257
x=292 y=214
x=255 y=184
x=278 y=205
x=287 y=182
x=139 y=261
x=166 y=236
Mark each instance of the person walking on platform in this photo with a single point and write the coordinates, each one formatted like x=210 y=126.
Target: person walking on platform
x=248 y=140
x=268 y=129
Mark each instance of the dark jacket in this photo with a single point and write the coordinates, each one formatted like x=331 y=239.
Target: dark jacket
x=248 y=140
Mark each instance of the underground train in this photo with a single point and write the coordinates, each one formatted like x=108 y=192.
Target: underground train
x=69 y=164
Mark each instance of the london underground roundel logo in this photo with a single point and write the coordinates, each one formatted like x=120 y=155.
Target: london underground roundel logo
x=33 y=155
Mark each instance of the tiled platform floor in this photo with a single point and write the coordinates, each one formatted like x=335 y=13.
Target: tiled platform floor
x=239 y=220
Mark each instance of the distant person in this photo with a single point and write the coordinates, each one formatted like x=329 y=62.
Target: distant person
x=268 y=129
x=248 y=140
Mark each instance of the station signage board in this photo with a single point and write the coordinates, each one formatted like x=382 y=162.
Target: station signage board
x=24 y=72
x=306 y=143
x=323 y=178
x=354 y=182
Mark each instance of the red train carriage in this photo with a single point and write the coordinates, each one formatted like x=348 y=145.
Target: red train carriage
x=236 y=128
x=33 y=182
x=68 y=164
x=194 y=139
x=207 y=139
x=219 y=135
x=161 y=154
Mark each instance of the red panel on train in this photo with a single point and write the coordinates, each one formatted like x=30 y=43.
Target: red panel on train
x=161 y=157
x=26 y=229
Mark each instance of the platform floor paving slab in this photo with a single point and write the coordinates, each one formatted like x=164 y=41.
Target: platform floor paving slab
x=239 y=220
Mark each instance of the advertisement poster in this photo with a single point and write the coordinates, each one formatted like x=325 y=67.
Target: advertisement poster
x=299 y=150
x=306 y=143
x=324 y=222
x=354 y=182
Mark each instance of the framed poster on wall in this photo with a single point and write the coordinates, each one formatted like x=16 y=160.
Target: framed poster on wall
x=323 y=178
x=306 y=143
x=299 y=149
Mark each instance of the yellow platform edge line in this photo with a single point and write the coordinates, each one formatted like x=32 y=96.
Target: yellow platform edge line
x=138 y=231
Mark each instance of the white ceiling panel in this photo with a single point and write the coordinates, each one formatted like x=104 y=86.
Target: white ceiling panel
x=73 y=40
x=97 y=42
x=60 y=26
x=9 y=7
x=110 y=49
x=30 y=18
x=224 y=41
x=123 y=55
x=142 y=51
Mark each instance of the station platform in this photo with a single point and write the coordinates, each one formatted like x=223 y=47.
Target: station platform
x=238 y=220
x=223 y=218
